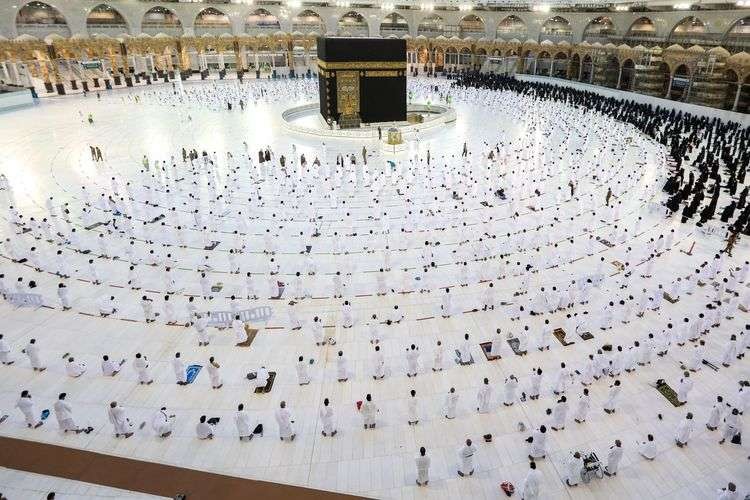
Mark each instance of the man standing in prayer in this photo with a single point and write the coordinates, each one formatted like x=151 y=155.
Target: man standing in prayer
x=466 y=455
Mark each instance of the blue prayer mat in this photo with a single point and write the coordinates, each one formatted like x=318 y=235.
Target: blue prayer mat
x=192 y=372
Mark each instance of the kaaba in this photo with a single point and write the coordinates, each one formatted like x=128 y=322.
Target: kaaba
x=362 y=80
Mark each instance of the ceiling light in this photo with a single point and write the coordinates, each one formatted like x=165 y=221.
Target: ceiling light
x=681 y=6
x=541 y=8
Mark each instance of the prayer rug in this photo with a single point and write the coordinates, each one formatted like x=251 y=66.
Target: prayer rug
x=514 y=344
x=486 y=349
x=192 y=373
x=268 y=386
x=560 y=335
x=251 y=333
x=669 y=393
x=457 y=359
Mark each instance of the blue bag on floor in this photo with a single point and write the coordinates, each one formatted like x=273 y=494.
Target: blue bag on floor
x=45 y=414
x=192 y=372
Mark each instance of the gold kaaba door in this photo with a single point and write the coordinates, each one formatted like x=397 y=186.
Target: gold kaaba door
x=347 y=93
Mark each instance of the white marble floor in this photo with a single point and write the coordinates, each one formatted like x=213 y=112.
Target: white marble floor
x=46 y=153
x=27 y=485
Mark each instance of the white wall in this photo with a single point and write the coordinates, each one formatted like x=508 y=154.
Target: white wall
x=13 y=100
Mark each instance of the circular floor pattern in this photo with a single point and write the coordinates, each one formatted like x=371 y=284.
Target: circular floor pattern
x=364 y=239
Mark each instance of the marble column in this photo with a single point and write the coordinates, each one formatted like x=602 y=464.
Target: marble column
x=737 y=96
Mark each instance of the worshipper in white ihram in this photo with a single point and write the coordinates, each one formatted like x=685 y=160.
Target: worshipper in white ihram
x=32 y=351
x=423 y=467
x=119 y=420
x=684 y=430
x=647 y=448
x=327 y=418
x=575 y=466
x=369 y=412
x=303 y=377
x=614 y=455
x=243 y=423
x=26 y=406
x=64 y=415
x=162 y=422
x=484 y=397
x=531 y=483
x=538 y=443
x=284 y=420
x=466 y=457
x=451 y=401
x=203 y=429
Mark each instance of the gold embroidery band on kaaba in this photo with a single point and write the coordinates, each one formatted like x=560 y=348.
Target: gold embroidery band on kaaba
x=382 y=74
x=363 y=65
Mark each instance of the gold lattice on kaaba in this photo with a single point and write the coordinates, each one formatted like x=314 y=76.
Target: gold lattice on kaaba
x=362 y=80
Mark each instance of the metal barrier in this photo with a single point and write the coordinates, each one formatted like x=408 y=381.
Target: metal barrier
x=25 y=299
x=223 y=319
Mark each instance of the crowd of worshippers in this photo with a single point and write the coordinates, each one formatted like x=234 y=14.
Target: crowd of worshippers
x=719 y=150
x=607 y=368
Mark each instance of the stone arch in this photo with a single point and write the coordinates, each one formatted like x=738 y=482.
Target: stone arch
x=451 y=55
x=743 y=105
x=104 y=19
x=643 y=24
x=543 y=63
x=559 y=67
x=464 y=56
x=687 y=30
x=599 y=29
x=642 y=31
x=160 y=19
x=511 y=27
x=439 y=54
x=627 y=74
x=308 y=21
x=680 y=82
x=574 y=67
x=423 y=55
x=556 y=29
x=611 y=71
x=212 y=21
x=733 y=80
x=431 y=26
x=261 y=21
x=528 y=60
x=587 y=68
x=40 y=19
x=353 y=24
x=471 y=25
x=737 y=37
x=394 y=24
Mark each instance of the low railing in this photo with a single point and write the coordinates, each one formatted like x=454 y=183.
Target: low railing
x=111 y=30
x=437 y=115
x=399 y=32
x=556 y=37
x=42 y=30
x=261 y=30
x=167 y=29
x=215 y=30
x=428 y=33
